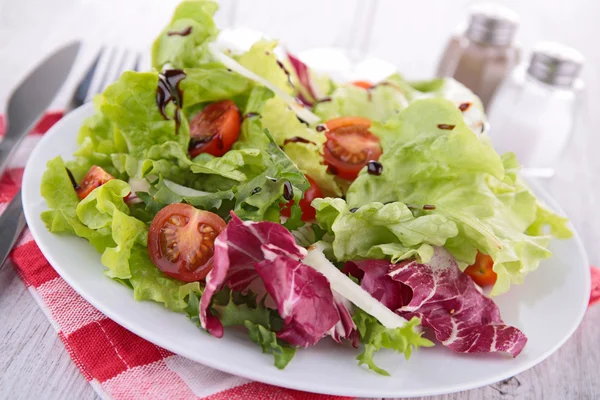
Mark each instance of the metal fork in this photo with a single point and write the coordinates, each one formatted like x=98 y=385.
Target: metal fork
x=105 y=69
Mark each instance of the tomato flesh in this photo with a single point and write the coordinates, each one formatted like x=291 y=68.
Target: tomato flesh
x=350 y=146
x=482 y=271
x=94 y=178
x=181 y=241
x=308 y=212
x=363 y=84
x=215 y=129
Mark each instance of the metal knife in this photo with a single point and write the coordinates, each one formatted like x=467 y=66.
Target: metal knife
x=25 y=107
x=33 y=96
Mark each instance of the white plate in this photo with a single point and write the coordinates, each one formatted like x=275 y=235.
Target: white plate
x=548 y=308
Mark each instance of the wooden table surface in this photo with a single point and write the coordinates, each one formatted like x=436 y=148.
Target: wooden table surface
x=33 y=361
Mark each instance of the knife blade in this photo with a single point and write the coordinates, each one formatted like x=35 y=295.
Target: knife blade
x=33 y=96
x=12 y=222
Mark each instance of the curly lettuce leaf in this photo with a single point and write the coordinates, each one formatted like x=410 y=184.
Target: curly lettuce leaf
x=263 y=203
x=387 y=231
x=262 y=60
x=180 y=50
x=126 y=232
x=130 y=104
x=251 y=131
x=97 y=209
x=378 y=103
x=268 y=342
x=96 y=144
x=57 y=189
x=149 y=283
x=235 y=165
x=286 y=129
x=210 y=83
x=374 y=336
x=431 y=157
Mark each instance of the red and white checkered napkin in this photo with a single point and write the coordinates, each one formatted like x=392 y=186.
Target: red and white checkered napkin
x=117 y=363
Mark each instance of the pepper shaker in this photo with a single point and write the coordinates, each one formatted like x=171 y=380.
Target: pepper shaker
x=485 y=53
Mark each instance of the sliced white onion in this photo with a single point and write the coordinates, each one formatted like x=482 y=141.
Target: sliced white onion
x=230 y=63
x=139 y=185
x=344 y=286
x=184 y=190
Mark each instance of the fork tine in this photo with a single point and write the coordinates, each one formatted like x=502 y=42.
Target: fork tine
x=106 y=68
x=83 y=87
x=108 y=74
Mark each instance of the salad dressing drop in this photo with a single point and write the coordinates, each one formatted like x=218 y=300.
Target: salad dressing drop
x=167 y=91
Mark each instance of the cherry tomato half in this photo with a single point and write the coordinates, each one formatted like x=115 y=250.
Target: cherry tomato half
x=94 y=178
x=363 y=84
x=308 y=212
x=350 y=146
x=482 y=271
x=181 y=241
x=215 y=129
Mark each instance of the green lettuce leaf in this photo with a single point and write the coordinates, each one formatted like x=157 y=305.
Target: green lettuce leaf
x=283 y=124
x=262 y=60
x=186 y=50
x=149 y=283
x=126 y=232
x=251 y=131
x=210 y=83
x=374 y=336
x=58 y=191
x=96 y=144
x=97 y=209
x=460 y=175
x=130 y=104
x=235 y=165
x=236 y=309
x=386 y=231
x=258 y=199
x=378 y=104
x=268 y=342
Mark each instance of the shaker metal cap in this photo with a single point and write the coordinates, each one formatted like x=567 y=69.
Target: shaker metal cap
x=493 y=24
x=555 y=64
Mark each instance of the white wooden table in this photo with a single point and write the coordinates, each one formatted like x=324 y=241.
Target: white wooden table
x=33 y=361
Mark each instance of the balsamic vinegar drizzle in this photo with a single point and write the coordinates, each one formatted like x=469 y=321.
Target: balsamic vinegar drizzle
x=72 y=179
x=321 y=128
x=288 y=191
x=287 y=73
x=464 y=106
x=296 y=139
x=428 y=207
x=251 y=115
x=184 y=32
x=447 y=127
x=168 y=91
x=374 y=168
x=255 y=190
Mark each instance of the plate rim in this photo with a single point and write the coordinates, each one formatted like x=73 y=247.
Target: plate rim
x=273 y=379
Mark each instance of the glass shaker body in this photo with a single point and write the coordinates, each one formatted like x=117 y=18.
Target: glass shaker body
x=483 y=54
x=480 y=67
x=534 y=120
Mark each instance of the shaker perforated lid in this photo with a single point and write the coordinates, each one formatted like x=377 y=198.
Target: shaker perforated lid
x=555 y=64
x=492 y=24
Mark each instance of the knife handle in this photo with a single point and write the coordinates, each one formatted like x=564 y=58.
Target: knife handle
x=12 y=223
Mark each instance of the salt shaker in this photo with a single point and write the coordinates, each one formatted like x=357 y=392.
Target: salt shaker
x=535 y=109
x=484 y=54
